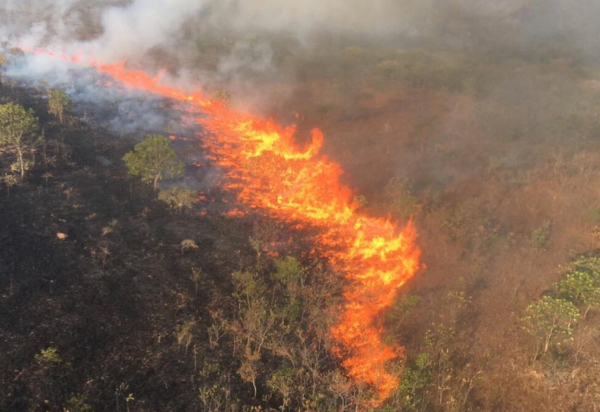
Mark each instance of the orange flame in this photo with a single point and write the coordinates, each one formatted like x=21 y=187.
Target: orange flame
x=267 y=170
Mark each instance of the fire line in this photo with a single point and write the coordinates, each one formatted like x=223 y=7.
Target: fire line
x=267 y=170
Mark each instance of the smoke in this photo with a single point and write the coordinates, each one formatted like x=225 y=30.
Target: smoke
x=131 y=29
x=109 y=30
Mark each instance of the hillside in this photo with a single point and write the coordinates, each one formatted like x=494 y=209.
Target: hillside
x=113 y=299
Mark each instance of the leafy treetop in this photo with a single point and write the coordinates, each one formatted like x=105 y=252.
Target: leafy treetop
x=17 y=127
x=152 y=159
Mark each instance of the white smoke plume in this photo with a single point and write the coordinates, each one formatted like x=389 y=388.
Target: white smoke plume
x=109 y=30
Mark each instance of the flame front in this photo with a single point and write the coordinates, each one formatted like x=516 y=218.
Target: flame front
x=267 y=170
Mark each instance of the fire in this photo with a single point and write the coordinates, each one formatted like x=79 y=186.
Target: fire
x=267 y=170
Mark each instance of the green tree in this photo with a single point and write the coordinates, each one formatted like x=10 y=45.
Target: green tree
x=587 y=264
x=152 y=159
x=17 y=129
x=550 y=318
x=58 y=102
x=414 y=383
x=541 y=236
x=400 y=199
x=254 y=324
x=581 y=288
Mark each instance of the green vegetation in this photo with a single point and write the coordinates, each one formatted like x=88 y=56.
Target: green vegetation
x=580 y=287
x=403 y=204
x=188 y=244
x=178 y=198
x=17 y=130
x=58 y=102
x=541 y=236
x=421 y=70
x=48 y=356
x=78 y=403
x=415 y=382
x=153 y=159
x=551 y=321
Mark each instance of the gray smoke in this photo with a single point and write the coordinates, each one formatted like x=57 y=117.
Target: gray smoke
x=130 y=29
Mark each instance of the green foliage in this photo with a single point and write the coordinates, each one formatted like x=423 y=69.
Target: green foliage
x=550 y=320
x=196 y=276
x=58 y=102
x=421 y=70
x=3 y=60
x=587 y=264
x=414 y=383
x=592 y=214
x=581 y=285
x=188 y=244
x=77 y=403
x=10 y=181
x=282 y=334
x=184 y=333
x=17 y=129
x=403 y=306
x=282 y=383
x=214 y=389
x=152 y=159
x=178 y=198
x=541 y=236
x=400 y=198
x=289 y=271
x=48 y=357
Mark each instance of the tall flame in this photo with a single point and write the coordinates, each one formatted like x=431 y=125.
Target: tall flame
x=266 y=168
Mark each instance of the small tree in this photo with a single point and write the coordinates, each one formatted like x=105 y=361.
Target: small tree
x=78 y=403
x=550 y=318
x=58 y=102
x=178 y=198
x=10 y=181
x=414 y=383
x=196 y=276
x=188 y=244
x=403 y=204
x=17 y=128
x=152 y=159
x=541 y=236
x=580 y=287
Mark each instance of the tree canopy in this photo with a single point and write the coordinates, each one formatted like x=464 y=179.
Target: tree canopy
x=17 y=128
x=58 y=102
x=153 y=159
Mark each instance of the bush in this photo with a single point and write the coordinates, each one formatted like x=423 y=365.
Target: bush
x=541 y=236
